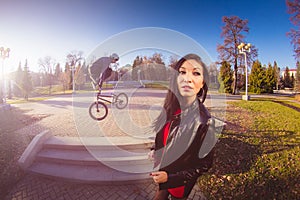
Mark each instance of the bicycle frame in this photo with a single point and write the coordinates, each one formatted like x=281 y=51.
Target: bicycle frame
x=100 y=96
x=98 y=110
x=103 y=96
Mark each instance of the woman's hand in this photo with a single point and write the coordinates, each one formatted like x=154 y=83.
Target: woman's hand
x=159 y=177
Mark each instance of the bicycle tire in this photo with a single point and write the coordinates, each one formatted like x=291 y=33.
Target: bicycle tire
x=98 y=110
x=121 y=100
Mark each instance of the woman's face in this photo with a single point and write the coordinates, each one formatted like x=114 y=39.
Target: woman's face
x=190 y=80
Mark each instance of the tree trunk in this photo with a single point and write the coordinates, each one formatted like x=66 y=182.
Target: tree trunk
x=234 y=87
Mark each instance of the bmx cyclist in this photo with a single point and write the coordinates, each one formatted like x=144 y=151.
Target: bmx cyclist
x=101 y=69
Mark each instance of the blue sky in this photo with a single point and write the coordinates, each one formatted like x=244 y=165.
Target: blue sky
x=34 y=29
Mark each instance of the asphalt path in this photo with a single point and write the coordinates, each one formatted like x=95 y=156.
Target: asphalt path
x=67 y=115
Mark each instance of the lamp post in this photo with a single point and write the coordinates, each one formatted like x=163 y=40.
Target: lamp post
x=243 y=49
x=4 y=53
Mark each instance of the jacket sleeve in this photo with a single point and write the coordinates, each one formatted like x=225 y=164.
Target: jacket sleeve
x=182 y=177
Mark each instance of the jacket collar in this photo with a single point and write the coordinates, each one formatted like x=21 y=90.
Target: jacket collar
x=196 y=106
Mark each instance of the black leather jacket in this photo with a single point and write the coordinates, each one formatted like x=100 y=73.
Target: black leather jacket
x=189 y=149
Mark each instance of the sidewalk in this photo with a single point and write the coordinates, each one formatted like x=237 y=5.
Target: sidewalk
x=34 y=187
x=4 y=106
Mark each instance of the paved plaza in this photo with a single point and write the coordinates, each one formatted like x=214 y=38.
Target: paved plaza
x=39 y=188
x=58 y=116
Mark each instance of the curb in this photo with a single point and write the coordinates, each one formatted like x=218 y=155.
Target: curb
x=32 y=149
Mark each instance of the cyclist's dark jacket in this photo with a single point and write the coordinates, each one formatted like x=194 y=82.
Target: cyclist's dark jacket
x=101 y=65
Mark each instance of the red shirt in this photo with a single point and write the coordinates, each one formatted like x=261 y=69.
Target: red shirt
x=176 y=192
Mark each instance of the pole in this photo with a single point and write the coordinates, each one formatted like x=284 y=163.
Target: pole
x=4 y=54
x=243 y=49
x=245 y=97
x=246 y=75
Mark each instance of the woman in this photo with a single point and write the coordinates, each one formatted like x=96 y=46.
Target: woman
x=185 y=135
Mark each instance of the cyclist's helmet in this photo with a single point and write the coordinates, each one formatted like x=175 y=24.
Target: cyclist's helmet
x=115 y=56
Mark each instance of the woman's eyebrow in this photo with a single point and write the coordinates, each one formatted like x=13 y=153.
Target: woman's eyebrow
x=195 y=68
x=199 y=68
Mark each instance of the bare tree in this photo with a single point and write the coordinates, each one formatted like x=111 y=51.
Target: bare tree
x=73 y=59
x=232 y=32
x=47 y=66
x=65 y=77
x=173 y=60
x=80 y=75
x=294 y=10
x=157 y=58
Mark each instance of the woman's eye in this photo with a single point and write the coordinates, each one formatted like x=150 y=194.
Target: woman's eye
x=197 y=73
x=181 y=72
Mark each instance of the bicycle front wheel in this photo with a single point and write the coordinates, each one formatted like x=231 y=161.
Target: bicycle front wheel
x=98 y=110
x=121 y=100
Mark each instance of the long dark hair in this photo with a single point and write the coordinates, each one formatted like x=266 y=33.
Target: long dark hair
x=173 y=97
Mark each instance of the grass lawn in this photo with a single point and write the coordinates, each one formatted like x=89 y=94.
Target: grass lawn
x=258 y=154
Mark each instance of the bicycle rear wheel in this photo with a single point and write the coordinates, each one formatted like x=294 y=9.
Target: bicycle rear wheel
x=121 y=100
x=98 y=110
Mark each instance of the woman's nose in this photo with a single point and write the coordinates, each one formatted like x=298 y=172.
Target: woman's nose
x=187 y=78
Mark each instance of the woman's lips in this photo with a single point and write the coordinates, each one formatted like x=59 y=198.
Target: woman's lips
x=186 y=87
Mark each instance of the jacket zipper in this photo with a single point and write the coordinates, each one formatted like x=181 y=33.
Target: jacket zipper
x=163 y=155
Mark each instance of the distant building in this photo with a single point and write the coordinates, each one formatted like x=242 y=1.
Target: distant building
x=292 y=72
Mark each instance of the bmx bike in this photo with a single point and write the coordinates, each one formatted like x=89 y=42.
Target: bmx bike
x=98 y=110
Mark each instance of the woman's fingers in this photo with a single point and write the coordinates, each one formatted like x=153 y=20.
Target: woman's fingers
x=159 y=177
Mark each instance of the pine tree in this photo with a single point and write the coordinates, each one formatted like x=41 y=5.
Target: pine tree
x=79 y=75
x=135 y=67
x=276 y=70
x=287 y=80
x=17 y=86
x=225 y=78
x=26 y=82
x=67 y=77
x=293 y=80
x=270 y=79
x=57 y=72
x=257 y=78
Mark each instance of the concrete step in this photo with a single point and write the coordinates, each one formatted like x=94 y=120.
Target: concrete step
x=89 y=174
x=94 y=159
x=84 y=157
x=99 y=143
